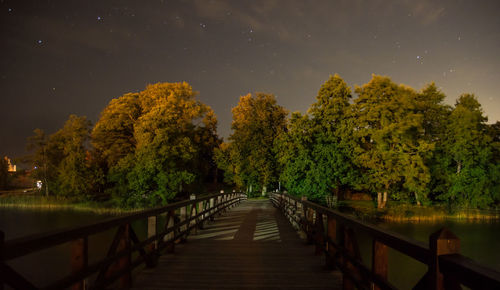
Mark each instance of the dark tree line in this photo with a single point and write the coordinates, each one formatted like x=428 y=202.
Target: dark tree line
x=144 y=148
x=390 y=141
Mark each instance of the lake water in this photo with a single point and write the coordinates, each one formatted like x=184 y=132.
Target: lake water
x=479 y=241
x=46 y=266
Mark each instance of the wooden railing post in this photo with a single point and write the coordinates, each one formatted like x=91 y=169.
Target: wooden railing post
x=331 y=236
x=170 y=222
x=319 y=237
x=442 y=242
x=379 y=261
x=346 y=243
x=79 y=260
x=126 y=279
x=200 y=218
x=307 y=221
x=183 y=217
x=212 y=210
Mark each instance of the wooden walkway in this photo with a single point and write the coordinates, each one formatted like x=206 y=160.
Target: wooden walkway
x=252 y=246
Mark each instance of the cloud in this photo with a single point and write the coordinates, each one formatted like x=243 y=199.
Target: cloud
x=427 y=12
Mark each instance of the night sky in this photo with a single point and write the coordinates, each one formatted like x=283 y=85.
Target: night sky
x=73 y=57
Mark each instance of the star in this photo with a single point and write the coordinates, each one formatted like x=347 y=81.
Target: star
x=203 y=25
x=39 y=41
x=99 y=18
x=10 y=9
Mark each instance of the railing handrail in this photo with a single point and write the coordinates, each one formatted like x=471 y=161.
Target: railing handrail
x=405 y=245
x=31 y=243
x=181 y=218
x=443 y=260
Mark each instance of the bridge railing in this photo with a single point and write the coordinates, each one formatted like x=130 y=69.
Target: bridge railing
x=180 y=218
x=333 y=234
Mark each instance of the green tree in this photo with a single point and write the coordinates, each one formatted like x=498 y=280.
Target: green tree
x=71 y=142
x=315 y=151
x=222 y=158
x=389 y=130
x=294 y=149
x=468 y=148
x=435 y=114
x=257 y=121
x=61 y=160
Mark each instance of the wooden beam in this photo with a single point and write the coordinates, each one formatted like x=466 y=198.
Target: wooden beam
x=442 y=242
x=319 y=235
x=331 y=235
x=79 y=260
x=379 y=261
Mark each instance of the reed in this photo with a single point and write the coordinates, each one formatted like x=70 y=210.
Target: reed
x=58 y=203
x=398 y=212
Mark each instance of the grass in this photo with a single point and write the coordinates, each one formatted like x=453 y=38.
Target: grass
x=402 y=212
x=37 y=201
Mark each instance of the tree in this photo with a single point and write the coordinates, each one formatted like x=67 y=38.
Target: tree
x=468 y=148
x=257 y=121
x=73 y=169
x=169 y=138
x=222 y=158
x=494 y=132
x=61 y=160
x=314 y=152
x=38 y=145
x=294 y=149
x=388 y=130
x=429 y=103
x=113 y=135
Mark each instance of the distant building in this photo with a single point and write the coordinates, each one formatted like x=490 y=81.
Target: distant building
x=12 y=167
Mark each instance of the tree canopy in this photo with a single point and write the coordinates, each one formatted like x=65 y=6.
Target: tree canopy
x=390 y=141
x=257 y=121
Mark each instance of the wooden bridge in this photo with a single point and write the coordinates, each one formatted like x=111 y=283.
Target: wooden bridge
x=224 y=241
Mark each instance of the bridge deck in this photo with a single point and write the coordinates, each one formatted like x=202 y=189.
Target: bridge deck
x=251 y=247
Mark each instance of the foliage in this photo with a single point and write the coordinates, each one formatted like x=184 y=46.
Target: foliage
x=391 y=141
x=314 y=151
x=468 y=147
x=60 y=160
x=165 y=139
x=257 y=121
x=389 y=132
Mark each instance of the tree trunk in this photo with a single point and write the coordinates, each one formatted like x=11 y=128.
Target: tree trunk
x=384 y=200
x=379 y=200
x=416 y=199
x=459 y=167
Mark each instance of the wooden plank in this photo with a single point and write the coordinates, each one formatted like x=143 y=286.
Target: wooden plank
x=239 y=261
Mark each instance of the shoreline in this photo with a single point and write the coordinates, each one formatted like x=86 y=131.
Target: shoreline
x=403 y=213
